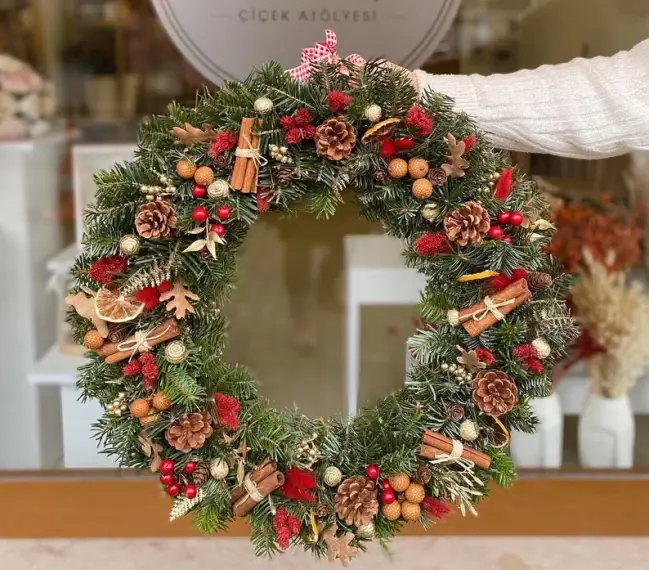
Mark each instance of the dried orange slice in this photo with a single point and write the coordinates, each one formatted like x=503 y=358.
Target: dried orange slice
x=381 y=130
x=477 y=276
x=113 y=307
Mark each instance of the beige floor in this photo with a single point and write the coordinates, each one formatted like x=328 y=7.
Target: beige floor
x=407 y=554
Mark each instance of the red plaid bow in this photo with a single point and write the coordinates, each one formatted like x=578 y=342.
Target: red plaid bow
x=322 y=52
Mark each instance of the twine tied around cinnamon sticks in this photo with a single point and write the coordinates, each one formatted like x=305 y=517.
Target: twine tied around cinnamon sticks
x=441 y=449
x=248 y=158
x=140 y=341
x=257 y=485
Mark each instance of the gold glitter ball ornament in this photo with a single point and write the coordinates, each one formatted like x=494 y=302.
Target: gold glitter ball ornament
x=367 y=531
x=410 y=511
x=161 y=401
x=397 y=168
x=263 y=105
x=129 y=244
x=219 y=189
x=93 y=340
x=140 y=408
x=186 y=169
x=332 y=476
x=468 y=430
x=219 y=469
x=415 y=493
x=176 y=352
x=422 y=189
x=430 y=212
x=400 y=482
x=392 y=511
x=417 y=168
x=204 y=176
x=373 y=113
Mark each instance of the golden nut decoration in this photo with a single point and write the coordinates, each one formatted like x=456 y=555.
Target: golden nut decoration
x=186 y=169
x=410 y=511
x=204 y=176
x=397 y=168
x=140 y=408
x=422 y=189
x=399 y=483
x=415 y=493
x=392 y=511
x=161 y=401
x=417 y=168
x=93 y=340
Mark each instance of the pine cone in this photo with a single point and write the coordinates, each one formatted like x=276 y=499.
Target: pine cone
x=284 y=176
x=494 y=392
x=116 y=332
x=436 y=176
x=335 y=139
x=538 y=280
x=223 y=160
x=456 y=413
x=190 y=431
x=467 y=225
x=380 y=176
x=201 y=474
x=424 y=474
x=155 y=220
x=356 y=501
x=322 y=510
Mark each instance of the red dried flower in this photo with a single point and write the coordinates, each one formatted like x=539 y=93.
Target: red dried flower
x=132 y=368
x=419 y=120
x=222 y=142
x=263 y=200
x=105 y=269
x=524 y=351
x=388 y=148
x=435 y=508
x=227 y=410
x=294 y=136
x=285 y=527
x=533 y=365
x=432 y=243
x=149 y=296
x=499 y=282
x=302 y=117
x=287 y=122
x=505 y=184
x=518 y=274
x=338 y=101
x=164 y=287
x=469 y=143
x=485 y=356
x=298 y=485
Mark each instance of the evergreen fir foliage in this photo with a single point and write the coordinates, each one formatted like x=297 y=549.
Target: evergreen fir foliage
x=388 y=434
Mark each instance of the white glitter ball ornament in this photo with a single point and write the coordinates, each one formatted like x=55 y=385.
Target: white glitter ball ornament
x=468 y=430
x=129 y=245
x=373 y=113
x=219 y=469
x=264 y=105
x=332 y=476
x=218 y=190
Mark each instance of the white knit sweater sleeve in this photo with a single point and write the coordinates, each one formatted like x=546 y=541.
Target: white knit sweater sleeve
x=586 y=108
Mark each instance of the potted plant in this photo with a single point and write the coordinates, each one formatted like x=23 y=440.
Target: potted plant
x=615 y=311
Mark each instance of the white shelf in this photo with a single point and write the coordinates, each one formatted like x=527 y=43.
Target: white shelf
x=56 y=369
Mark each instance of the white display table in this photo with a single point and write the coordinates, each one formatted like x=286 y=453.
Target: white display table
x=31 y=234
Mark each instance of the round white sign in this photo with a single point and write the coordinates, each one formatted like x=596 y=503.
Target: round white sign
x=225 y=39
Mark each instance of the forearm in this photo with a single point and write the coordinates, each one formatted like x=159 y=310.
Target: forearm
x=592 y=108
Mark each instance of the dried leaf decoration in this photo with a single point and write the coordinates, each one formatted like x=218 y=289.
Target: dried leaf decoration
x=458 y=164
x=190 y=135
x=152 y=451
x=85 y=307
x=338 y=548
x=469 y=359
x=209 y=241
x=179 y=300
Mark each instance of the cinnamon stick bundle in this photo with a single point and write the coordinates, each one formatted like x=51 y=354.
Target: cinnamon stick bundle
x=256 y=475
x=491 y=309
x=265 y=487
x=246 y=169
x=435 y=445
x=252 y=170
x=117 y=352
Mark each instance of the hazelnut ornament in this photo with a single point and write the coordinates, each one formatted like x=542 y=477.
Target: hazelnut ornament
x=410 y=511
x=417 y=168
x=186 y=169
x=392 y=511
x=422 y=189
x=93 y=340
x=161 y=401
x=397 y=168
x=415 y=493
x=399 y=483
x=140 y=408
x=204 y=176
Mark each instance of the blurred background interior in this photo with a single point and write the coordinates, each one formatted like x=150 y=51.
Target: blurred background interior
x=108 y=63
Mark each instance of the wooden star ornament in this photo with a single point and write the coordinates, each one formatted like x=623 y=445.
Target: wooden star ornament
x=338 y=548
x=190 y=135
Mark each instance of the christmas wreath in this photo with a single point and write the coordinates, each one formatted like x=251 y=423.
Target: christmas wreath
x=159 y=260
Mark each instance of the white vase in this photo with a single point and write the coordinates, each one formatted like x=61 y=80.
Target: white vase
x=606 y=433
x=544 y=447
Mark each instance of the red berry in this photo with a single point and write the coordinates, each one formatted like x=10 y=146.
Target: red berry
x=200 y=214
x=173 y=490
x=199 y=191
x=503 y=218
x=218 y=229
x=507 y=239
x=167 y=467
x=385 y=485
x=496 y=232
x=190 y=491
x=223 y=213
x=167 y=480
x=388 y=496
x=190 y=467
x=515 y=218
x=372 y=471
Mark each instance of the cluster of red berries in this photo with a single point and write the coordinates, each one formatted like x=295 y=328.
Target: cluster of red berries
x=387 y=493
x=505 y=218
x=175 y=486
x=200 y=214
